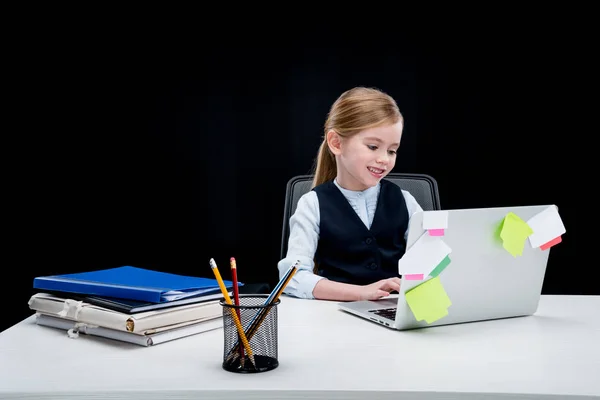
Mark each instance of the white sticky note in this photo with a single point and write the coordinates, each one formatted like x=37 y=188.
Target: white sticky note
x=435 y=220
x=546 y=225
x=423 y=256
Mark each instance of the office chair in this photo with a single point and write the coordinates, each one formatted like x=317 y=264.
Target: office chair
x=423 y=187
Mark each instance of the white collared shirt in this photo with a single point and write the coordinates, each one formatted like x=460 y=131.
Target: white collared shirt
x=304 y=234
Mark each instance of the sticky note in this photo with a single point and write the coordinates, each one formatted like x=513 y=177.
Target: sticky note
x=547 y=228
x=551 y=243
x=413 y=277
x=440 y=267
x=428 y=301
x=423 y=256
x=435 y=222
x=514 y=232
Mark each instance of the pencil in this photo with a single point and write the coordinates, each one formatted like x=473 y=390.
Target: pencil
x=238 y=324
x=262 y=313
x=236 y=299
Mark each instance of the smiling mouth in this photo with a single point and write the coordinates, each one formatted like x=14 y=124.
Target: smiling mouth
x=376 y=170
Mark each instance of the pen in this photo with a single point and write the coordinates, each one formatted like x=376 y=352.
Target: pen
x=238 y=324
x=261 y=314
x=256 y=323
x=278 y=289
x=236 y=299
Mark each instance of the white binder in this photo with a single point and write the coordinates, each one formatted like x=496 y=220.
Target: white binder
x=73 y=329
x=143 y=323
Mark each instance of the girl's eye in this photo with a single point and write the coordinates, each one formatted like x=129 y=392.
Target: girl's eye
x=392 y=152
x=371 y=147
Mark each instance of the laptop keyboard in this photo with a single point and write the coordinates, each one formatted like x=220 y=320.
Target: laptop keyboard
x=389 y=313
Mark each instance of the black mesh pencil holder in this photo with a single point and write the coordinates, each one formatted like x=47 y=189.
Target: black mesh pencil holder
x=256 y=350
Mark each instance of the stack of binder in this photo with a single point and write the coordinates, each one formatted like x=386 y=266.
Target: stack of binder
x=129 y=304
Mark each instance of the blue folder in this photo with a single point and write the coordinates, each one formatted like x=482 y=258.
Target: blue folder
x=133 y=283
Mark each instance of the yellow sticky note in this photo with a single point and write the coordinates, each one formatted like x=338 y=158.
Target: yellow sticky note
x=428 y=301
x=514 y=232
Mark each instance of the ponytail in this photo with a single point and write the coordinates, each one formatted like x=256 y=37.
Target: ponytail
x=325 y=167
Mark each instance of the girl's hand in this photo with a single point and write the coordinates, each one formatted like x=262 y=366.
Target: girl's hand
x=380 y=289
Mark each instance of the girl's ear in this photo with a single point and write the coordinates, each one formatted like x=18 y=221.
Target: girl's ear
x=334 y=141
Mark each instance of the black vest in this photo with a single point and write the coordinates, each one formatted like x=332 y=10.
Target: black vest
x=348 y=251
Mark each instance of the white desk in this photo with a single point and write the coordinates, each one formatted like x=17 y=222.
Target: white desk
x=324 y=353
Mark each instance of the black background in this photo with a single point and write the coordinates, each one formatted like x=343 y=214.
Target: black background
x=164 y=151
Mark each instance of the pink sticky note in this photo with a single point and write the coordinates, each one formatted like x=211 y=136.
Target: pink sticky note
x=551 y=243
x=436 y=232
x=414 y=277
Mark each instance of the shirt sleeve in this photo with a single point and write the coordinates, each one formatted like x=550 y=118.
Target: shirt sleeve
x=302 y=245
x=412 y=206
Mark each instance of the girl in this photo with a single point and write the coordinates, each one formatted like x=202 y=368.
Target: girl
x=350 y=230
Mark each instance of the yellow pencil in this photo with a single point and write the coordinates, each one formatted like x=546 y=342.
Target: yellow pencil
x=238 y=324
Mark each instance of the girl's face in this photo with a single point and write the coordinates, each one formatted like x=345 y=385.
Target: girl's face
x=367 y=157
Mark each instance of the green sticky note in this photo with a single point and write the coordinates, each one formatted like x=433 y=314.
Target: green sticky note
x=498 y=232
x=514 y=232
x=440 y=267
x=428 y=301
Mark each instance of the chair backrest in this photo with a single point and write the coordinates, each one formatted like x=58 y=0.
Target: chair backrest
x=423 y=187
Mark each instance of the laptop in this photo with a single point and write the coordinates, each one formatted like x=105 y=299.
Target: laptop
x=483 y=281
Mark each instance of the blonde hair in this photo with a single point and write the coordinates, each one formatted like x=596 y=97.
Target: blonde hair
x=355 y=110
